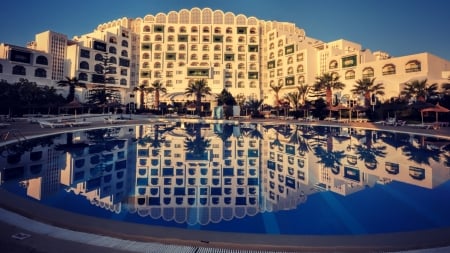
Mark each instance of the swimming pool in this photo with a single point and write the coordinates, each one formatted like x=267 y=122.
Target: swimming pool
x=279 y=179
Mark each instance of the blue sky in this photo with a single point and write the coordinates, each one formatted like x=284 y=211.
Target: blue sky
x=399 y=27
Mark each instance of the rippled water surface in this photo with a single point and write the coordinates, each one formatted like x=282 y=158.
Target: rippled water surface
x=252 y=178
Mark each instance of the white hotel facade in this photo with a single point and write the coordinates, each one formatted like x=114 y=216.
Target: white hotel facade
x=243 y=55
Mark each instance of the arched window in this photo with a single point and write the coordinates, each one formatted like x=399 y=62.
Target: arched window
x=40 y=73
x=145 y=56
x=216 y=48
x=280 y=43
x=146 y=29
x=367 y=72
x=279 y=62
x=271 y=46
x=158 y=38
x=84 y=65
x=113 y=40
x=228 y=66
x=19 y=70
x=98 y=57
x=182 y=29
x=41 y=60
x=112 y=50
x=123 y=81
x=241 y=75
x=124 y=43
x=272 y=55
x=413 y=66
x=299 y=68
x=290 y=60
x=82 y=77
x=280 y=52
x=350 y=74
x=388 y=69
x=146 y=38
x=301 y=80
x=171 y=29
x=98 y=69
x=112 y=60
x=124 y=53
x=157 y=65
x=333 y=64
x=290 y=71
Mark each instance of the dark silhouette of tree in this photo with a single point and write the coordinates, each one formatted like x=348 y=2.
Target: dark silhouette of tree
x=72 y=83
x=198 y=88
x=368 y=87
x=143 y=89
x=327 y=83
x=157 y=87
x=420 y=90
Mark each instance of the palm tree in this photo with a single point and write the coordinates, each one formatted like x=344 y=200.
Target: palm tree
x=276 y=89
x=157 y=87
x=368 y=87
x=303 y=90
x=254 y=105
x=198 y=88
x=328 y=82
x=419 y=90
x=143 y=89
x=294 y=98
x=446 y=88
x=72 y=83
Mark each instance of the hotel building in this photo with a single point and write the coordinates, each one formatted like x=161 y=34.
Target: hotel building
x=243 y=55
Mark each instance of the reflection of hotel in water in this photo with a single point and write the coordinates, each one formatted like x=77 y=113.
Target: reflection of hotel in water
x=220 y=184
x=243 y=170
x=96 y=169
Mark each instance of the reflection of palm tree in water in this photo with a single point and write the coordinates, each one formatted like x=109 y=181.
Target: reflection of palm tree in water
x=367 y=153
x=422 y=154
x=196 y=146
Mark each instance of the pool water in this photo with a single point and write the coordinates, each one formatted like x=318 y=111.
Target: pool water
x=251 y=178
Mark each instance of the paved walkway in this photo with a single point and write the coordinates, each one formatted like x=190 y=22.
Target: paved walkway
x=38 y=228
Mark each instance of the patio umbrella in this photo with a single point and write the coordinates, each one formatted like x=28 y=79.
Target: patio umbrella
x=358 y=109
x=74 y=104
x=437 y=109
x=191 y=107
x=338 y=108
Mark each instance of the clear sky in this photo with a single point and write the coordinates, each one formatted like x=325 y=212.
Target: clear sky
x=399 y=27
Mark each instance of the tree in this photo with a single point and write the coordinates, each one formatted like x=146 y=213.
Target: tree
x=157 y=87
x=198 y=88
x=143 y=89
x=72 y=83
x=276 y=89
x=419 y=90
x=303 y=91
x=255 y=105
x=226 y=99
x=102 y=95
x=328 y=82
x=368 y=87
x=294 y=98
